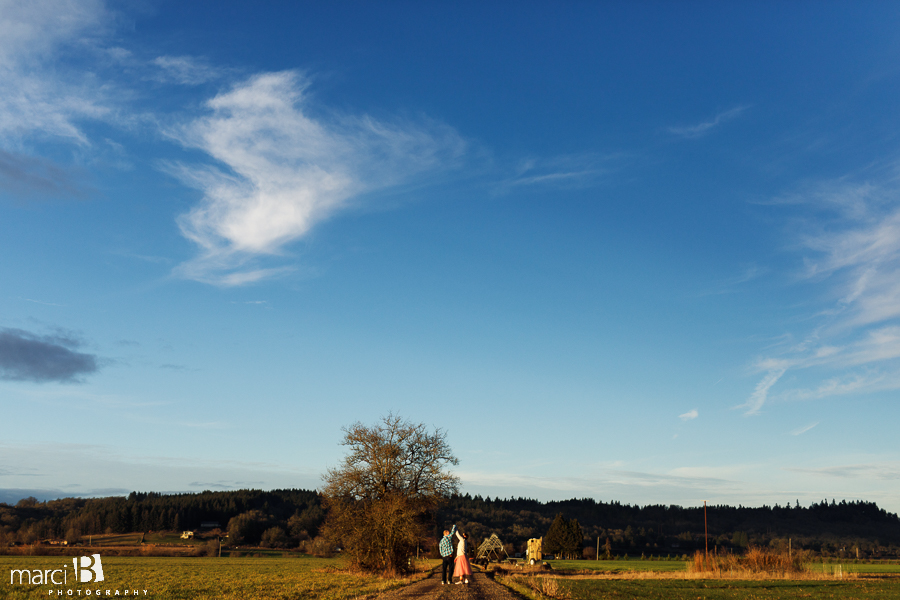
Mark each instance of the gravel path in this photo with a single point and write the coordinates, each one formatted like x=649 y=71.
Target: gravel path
x=480 y=587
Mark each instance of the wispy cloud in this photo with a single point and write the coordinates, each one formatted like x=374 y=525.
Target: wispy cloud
x=850 y=243
x=701 y=129
x=882 y=471
x=774 y=370
x=280 y=171
x=25 y=356
x=35 y=96
x=732 y=284
x=804 y=429
x=569 y=171
x=41 y=302
x=185 y=70
x=689 y=415
x=173 y=367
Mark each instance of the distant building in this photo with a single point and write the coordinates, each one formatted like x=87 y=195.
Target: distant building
x=210 y=525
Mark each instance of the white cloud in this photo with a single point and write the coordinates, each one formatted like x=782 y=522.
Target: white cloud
x=37 y=95
x=690 y=415
x=701 y=129
x=186 y=70
x=567 y=171
x=802 y=430
x=282 y=170
x=761 y=393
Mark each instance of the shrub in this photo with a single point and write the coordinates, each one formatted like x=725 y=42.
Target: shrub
x=320 y=546
x=756 y=560
x=274 y=537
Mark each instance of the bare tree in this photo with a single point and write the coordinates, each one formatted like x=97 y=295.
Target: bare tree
x=380 y=498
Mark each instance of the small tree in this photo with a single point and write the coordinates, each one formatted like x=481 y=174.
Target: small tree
x=246 y=528
x=72 y=536
x=574 y=539
x=379 y=499
x=564 y=538
x=274 y=537
x=555 y=538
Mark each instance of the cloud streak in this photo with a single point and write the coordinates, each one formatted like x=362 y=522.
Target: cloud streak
x=25 y=356
x=566 y=172
x=802 y=430
x=280 y=170
x=701 y=129
x=185 y=70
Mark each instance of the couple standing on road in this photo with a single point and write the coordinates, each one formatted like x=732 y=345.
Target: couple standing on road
x=462 y=569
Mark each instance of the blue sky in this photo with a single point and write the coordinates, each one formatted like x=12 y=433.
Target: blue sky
x=645 y=252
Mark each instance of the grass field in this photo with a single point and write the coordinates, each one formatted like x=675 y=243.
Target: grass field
x=299 y=578
x=661 y=589
x=615 y=566
x=627 y=580
x=307 y=578
x=665 y=566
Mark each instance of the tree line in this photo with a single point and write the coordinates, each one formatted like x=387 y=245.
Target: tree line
x=827 y=527
x=246 y=513
x=288 y=517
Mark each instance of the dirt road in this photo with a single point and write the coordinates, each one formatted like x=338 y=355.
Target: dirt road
x=480 y=587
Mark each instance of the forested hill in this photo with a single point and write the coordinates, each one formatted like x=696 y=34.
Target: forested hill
x=825 y=527
x=29 y=519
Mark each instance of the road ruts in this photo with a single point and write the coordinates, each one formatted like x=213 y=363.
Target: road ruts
x=480 y=587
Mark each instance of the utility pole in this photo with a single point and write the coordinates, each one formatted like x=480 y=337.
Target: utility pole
x=598 y=548
x=706 y=534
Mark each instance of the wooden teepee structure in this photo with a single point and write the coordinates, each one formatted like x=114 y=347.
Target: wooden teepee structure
x=490 y=549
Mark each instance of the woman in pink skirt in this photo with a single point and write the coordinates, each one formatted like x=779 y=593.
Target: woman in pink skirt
x=462 y=569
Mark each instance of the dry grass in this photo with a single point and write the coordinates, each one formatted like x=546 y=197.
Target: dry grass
x=542 y=587
x=757 y=561
x=757 y=564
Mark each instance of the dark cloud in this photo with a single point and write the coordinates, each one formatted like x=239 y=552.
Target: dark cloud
x=12 y=495
x=22 y=175
x=226 y=485
x=25 y=356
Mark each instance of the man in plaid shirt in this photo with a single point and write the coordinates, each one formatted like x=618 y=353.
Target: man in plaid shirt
x=446 y=549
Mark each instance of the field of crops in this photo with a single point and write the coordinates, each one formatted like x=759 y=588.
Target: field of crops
x=299 y=578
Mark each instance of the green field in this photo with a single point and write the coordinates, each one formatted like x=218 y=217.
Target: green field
x=623 y=566
x=627 y=580
x=303 y=577
x=298 y=578
x=615 y=566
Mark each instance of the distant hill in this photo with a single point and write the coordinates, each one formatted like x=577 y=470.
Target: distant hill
x=822 y=527
x=291 y=516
